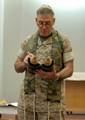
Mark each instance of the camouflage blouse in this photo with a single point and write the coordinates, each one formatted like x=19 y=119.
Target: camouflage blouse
x=36 y=91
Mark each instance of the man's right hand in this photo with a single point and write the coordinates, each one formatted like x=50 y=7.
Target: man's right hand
x=21 y=63
x=29 y=55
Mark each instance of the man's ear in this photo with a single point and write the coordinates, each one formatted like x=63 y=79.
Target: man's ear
x=53 y=21
x=36 y=19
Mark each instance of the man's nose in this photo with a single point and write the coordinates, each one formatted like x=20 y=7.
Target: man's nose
x=44 y=26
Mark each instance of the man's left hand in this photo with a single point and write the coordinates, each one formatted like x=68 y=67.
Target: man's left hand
x=47 y=75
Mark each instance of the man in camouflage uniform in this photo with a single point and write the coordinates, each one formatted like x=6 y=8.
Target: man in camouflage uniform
x=42 y=92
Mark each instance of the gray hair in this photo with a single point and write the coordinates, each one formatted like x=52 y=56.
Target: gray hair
x=44 y=10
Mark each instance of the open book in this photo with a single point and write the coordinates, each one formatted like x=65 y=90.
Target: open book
x=15 y=104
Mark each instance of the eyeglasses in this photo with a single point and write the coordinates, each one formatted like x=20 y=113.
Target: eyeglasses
x=44 y=23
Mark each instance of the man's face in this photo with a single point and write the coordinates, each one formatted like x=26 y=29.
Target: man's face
x=45 y=24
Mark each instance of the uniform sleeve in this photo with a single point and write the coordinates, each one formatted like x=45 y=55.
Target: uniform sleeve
x=23 y=49
x=68 y=53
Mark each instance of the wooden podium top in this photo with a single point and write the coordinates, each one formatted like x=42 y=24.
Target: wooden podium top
x=77 y=76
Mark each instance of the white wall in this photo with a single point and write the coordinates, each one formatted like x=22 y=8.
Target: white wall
x=18 y=23
x=12 y=36
x=73 y=24
x=1 y=44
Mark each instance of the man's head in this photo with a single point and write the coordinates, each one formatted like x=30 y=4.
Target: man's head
x=45 y=20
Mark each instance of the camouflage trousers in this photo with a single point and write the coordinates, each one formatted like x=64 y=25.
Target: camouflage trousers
x=40 y=116
x=33 y=106
x=25 y=112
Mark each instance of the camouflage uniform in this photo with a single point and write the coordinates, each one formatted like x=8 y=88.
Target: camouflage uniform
x=43 y=99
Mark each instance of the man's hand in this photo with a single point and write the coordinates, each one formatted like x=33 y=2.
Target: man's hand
x=21 y=63
x=29 y=55
x=47 y=75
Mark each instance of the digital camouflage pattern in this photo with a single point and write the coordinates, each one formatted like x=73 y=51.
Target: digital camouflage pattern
x=43 y=99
